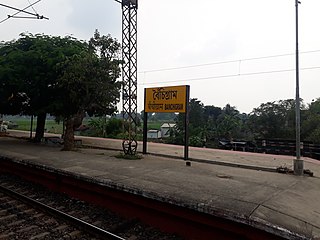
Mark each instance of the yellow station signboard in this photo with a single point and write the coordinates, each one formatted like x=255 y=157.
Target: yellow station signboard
x=166 y=99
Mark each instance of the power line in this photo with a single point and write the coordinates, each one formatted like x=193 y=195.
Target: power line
x=224 y=62
x=37 y=16
x=20 y=10
x=33 y=8
x=232 y=75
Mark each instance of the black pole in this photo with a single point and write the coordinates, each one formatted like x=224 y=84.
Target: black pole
x=63 y=128
x=145 y=126
x=31 y=127
x=186 y=125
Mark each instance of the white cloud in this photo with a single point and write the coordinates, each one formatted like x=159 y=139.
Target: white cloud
x=86 y=16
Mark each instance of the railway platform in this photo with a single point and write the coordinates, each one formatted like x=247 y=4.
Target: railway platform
x=237 y=186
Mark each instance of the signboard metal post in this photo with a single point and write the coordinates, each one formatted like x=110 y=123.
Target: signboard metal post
x=145 y=126
x=186 y=125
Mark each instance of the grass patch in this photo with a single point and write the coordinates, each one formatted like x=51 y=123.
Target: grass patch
x=129 y=157
x=24 y=124
x=51 y=125
x=154 y=125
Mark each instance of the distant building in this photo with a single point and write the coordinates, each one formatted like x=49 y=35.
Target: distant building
x=3 y=127
x=165 y=129
x=154 y=134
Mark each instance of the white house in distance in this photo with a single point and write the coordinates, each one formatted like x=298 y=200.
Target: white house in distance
x=153 y=134
x=165 y=129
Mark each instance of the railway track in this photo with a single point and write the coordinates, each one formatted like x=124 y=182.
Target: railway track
x=29 y=218
x=29 y=212
x=175 y=220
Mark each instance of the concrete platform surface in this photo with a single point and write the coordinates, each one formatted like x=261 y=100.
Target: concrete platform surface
x=272 y=201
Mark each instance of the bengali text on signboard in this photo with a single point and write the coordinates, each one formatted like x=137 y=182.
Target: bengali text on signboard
x=166 y=99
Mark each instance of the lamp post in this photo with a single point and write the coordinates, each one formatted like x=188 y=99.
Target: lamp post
x=298 y=162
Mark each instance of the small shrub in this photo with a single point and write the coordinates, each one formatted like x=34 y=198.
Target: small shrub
x=129 y=157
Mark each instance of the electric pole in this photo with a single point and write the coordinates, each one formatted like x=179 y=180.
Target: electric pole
x=298 y=162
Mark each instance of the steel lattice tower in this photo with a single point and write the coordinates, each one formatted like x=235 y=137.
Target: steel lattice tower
x=129 y=75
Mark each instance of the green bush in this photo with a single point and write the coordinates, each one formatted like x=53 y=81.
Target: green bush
x=196 y=141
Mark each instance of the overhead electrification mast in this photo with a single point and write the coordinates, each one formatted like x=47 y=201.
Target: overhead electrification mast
x=129 y=75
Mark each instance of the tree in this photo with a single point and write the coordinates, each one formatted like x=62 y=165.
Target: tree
x=28 y=74
x=103 y=127
x=274 y=119
x=208 y=123
x=13 y=99
x=65 y=77
x=114 y=127
x=88 y=83
x=230 y=110
x=229 y=123
x=211 y=114
x=226 y=126
x=196 y=125
x=310 y=124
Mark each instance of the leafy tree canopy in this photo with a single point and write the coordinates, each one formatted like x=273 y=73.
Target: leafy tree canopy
x=28 y=68
x=88 y=83
x=65 y=77
x=274 y=119
x=28 y=74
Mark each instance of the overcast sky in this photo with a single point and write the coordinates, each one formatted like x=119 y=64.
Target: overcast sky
x=222 y=49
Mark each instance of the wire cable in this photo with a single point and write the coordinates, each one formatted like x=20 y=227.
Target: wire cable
x=22 y=10
x=224 y=62
x=231 y=75
x=33 y=7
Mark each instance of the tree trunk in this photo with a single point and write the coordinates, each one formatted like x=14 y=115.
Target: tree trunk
x=41 y=122
x=69 y=135
x=71 y=123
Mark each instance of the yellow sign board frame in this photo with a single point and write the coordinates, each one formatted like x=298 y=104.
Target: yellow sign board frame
x=166 y=99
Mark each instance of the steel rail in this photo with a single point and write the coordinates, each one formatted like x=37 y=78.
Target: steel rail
x=89 y=228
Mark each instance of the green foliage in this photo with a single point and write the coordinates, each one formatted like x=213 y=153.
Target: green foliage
x=101 y=127
x=28 y=74
x=227 y=126
x=28 y=71
x=88 y=80
x=273 y=120
x=96 y=127
x=65 y=77
x=208 y=123
x=310 y=127
x=314 y=136
x=114 y=127
x=196 y=141
x=154 y=125
x=129 y=157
